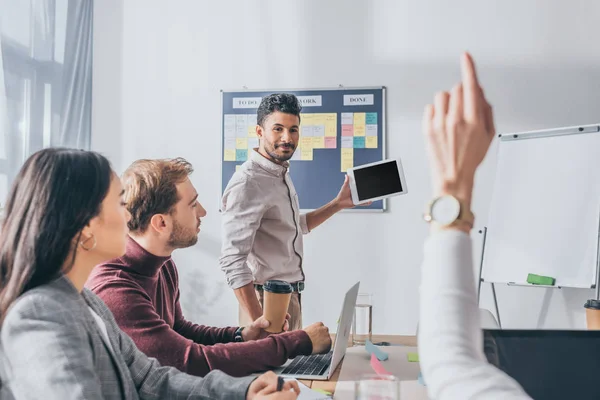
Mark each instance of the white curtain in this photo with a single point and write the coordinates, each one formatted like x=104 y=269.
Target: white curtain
x=45 y=79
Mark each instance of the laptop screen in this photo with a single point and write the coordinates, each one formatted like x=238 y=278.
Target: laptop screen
x=549 y=364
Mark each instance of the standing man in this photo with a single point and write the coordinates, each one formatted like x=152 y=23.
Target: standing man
x=262 y=224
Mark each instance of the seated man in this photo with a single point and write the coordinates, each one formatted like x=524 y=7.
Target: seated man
x=141 y=288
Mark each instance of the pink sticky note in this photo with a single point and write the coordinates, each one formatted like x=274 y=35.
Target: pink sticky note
x=377 y=367
x=330 y=142
x=347 y=130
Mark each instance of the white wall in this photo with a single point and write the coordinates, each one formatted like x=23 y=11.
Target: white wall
x=159 y=66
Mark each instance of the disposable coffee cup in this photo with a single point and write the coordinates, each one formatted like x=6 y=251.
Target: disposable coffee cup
x=277 y=295
x=592 y=314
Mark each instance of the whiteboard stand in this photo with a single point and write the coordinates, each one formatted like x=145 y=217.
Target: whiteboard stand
x=483 y=232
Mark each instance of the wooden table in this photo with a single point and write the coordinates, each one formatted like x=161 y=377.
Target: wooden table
x=329 y=385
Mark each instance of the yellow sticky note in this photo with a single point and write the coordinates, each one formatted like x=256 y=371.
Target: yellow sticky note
x=237 y=168
x=318 y=142
x=306 y=143
x=319 y=119
x=307 y=155
x=359 y=130
x=229 y=155
x=252 y=131
x=360 y=118
x=307 y=119
x=330 y=124
x=347 y=159
x=331 y=130
x=241 y=143
x=371 y=142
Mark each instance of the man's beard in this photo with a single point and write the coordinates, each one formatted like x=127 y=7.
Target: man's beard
x=281 y=157
x=180 y=238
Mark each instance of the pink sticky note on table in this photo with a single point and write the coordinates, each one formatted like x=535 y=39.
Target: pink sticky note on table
x=330 y=142
x=347 y=130
x=377 y=366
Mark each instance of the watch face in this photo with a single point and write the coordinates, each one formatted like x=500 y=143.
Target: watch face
x=445 y=210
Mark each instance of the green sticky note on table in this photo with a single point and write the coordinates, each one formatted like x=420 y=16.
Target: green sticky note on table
x=325 y=392
x=540 y=280
x=412 y=357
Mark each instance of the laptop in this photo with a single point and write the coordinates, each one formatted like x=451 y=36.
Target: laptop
x=548 y=364
x=322 y=366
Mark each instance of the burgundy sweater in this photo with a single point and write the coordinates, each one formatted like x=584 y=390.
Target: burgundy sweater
x=142 y=291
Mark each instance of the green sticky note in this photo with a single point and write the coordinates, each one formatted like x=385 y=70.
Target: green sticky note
x=540 y=280
x=412 y=357
x=325 y=392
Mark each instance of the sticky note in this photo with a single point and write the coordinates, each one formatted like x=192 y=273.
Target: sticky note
x=318 y=142
x=330 y=122
x=241 y=125
x=371 y=118
x=306 y=143
x=319 y=119
x=330 y=142
x=229 y=131
x=229 y=120
x=307 y=119
x=307 y=130
x=241 y=154
x=252 y=119
x=347 y=159
x=229 y=143
x=372 y=349
x=412 y=357
x=253 y=143
x=325 y=392
x=347 y=142
x=359 y=142
x=371 y=130
x=241 y=143
x=360 y=118
x=377 y=366
x=347 y=130
x=359 y=130
x=229 y=155
x=237 y=168
x=347 y=119
x=252 y=130
x=319 y=130
x=331 y=130
x=307 y=154
x=540 y=280
x=371 y=142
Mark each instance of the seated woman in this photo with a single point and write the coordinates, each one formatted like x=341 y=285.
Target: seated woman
x=459 y=128
x=64 y=215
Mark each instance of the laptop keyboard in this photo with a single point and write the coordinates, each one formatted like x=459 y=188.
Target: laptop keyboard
x=309 y=365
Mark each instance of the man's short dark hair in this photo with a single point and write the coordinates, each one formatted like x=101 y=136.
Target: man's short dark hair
x=283 y=102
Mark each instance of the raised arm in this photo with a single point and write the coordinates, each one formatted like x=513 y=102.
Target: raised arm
x=459 y=129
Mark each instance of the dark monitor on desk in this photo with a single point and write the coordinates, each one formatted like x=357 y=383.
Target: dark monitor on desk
x=549 y=364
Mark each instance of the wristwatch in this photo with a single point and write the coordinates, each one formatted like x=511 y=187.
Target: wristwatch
x=446 y=210
x=237 y=336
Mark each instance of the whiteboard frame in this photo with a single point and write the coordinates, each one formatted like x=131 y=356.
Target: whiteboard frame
x=572 y=130
x=383 y=89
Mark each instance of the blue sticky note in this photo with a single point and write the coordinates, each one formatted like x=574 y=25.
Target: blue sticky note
x=241 y=154
x=359 y=142
x=421 y=380
x=371 y=118
x=372 y=349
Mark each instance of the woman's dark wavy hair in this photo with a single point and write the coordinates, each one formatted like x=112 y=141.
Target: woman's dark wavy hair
x=55 y=195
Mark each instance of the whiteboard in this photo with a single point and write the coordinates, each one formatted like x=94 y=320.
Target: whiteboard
x=545 y=212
